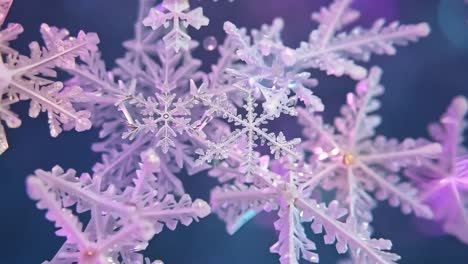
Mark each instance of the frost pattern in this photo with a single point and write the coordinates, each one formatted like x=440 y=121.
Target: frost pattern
x=31 y=77
x=331 y=50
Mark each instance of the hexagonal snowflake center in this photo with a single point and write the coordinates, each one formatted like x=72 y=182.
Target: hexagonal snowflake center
x=89 y=256
x=349 y=159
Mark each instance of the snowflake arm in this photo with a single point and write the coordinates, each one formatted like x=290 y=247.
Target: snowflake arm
x=11 y=120
x=449 y=132
x=398 y=194
x=169 y=212
x=334 y=53
x=88 y=251
x=4 y=8
x=67 y=223
x=368 y=250
x=361 y=203
x=332 y=19
x=26 y=78
x=293 y=243
x=249 y=131
x=357 y=122
x=237 y=204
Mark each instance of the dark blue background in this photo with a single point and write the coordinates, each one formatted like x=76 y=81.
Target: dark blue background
x=420 y=81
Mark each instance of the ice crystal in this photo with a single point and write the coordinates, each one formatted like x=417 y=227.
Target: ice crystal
x=122 y=221
x=356 y=161
x=250 y=131
x=444 y=181
x=177 y=16
x=32 y=77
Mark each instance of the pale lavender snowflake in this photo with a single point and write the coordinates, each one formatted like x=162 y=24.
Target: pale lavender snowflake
x=355 y=164
x=444 y=182
x=176 y=13
x=354 y=161
x=122 y=221
x=248 y=133
x=32 y=77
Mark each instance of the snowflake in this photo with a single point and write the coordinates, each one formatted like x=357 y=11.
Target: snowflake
x=121 y=223
x=235 y=203
x=355 y=160
x=150 y=87
x=29 y=78
x=157 y=110
x=352 y=162
x=249 y=131
x=176 y=39
x=444 y=181
x=161 y=113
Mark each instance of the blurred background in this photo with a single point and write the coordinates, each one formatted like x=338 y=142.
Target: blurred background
x=420 y=82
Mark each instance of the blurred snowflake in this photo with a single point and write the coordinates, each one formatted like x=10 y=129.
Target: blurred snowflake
x=444 y=182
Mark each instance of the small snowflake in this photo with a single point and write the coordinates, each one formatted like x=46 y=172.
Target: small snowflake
x=249 y=132
x=177 y=38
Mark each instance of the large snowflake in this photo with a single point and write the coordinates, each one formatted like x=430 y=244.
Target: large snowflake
x=32 y=77
x=355 y=160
